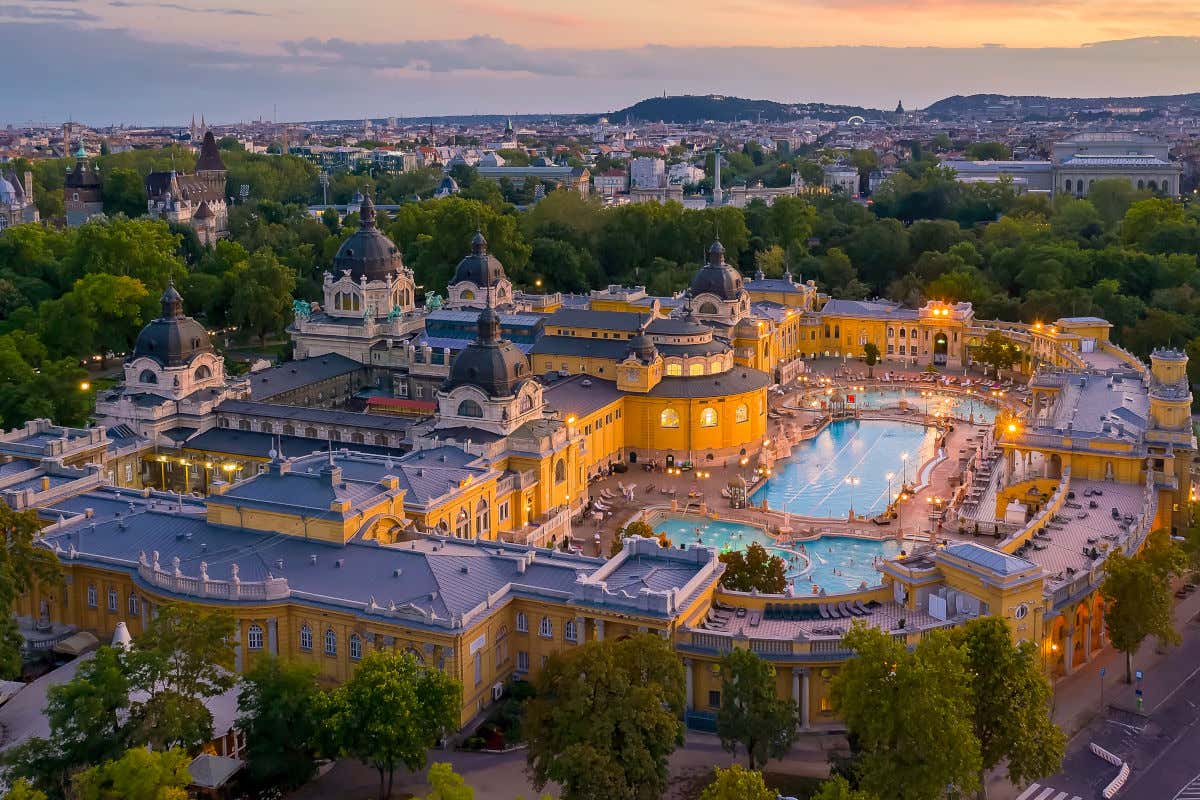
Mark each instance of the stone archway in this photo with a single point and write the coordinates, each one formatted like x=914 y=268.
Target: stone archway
x=941 y=348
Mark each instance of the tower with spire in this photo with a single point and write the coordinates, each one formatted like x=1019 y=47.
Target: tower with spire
x=196 y=200
x=718 y=195
x=82 y=191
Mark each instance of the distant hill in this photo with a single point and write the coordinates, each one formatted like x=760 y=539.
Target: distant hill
x=1053 y=107
x=722 y=108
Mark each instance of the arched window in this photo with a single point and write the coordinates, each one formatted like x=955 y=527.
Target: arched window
x=560 y=471
x=310 y=432
x=708 y=418
x=696 y=368
x=357 y=438
x=135 y=607
x=546 y=628
x=482 y=518
x=147 y=376
x=355 y=647
x=1141 y=184
x=467 y=294
x=669 y=418
x=381 y=440
x=741 y=413
x=289 y=429
x=203 y=372
x=91 y=595
x=356 y=301
x=522 y=622
x=330 y=642
x=892 y=332
x=1067 y=185
x=254 y=637
x=305 y=637
x=243 y=424
x=1154 y=186
x=469 y=408
x=912 y=334
x=569 y=631
x=1166 y=186
x=708 y=308
x=266 y=428
x=462 y=524
x=674 y=369
x=113 y=600
x=526 y=403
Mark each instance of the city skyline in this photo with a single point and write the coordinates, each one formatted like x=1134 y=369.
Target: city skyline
x=306 y=63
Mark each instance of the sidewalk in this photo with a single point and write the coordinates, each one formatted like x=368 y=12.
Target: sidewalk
x=1077 y=696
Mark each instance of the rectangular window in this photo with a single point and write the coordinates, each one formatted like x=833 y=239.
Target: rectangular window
x=420 y=391
x=522 y=661
x=503 y=512
x=478 y=667
x=403 y=389
x=714 y=699
x=542 y=664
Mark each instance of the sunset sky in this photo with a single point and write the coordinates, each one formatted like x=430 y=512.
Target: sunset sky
x=240 y=58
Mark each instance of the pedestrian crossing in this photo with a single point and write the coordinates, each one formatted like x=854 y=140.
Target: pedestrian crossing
x=1191 y=791
x=1038 y=792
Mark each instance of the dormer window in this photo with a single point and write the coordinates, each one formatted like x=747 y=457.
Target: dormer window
x=148 y=376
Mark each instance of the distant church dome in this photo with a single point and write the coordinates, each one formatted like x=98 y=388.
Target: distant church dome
x=496 y=366
x=173 y=339
x=479 y=266
x=368 y=252
x=716 y=276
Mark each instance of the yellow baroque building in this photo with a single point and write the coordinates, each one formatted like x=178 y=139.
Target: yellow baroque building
x=447 y=550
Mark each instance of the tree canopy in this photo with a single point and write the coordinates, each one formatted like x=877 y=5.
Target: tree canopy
x=752 y=714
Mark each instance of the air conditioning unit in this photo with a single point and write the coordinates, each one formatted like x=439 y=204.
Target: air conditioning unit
x=497 y=691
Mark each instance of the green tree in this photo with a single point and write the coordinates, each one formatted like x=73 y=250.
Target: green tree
x=871 y=357
x=988 y=151
x=85 y=717
x=1137 y=597
x=909 y=714
x=261 y=295
x=635 y=528
x=184 y=657
x=23 y=566
x=281 y=712
x=605 y=718
x=139 y=774
x=737 y=783
x=23 y=790
x=1145 y=215
x=1011 y=698
x=446 y=784
x=752 y=714
x=753 y=569
x=771 y=262
x=1111 y=197
x=144 y=249
x=838 y=788
x=391 y=712
x=32 y=386
x=997 y=352
x=124 y=192
x=101 y=314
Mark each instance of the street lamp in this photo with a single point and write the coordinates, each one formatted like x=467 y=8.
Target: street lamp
x=852 y=481
x=903 y=469
x=890 y=475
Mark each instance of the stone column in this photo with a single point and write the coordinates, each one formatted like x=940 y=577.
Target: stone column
x=805 y=724
x=1087 y=641
x=273 y=636
x=688 y=671
x=1068 y=656
x=599 y=630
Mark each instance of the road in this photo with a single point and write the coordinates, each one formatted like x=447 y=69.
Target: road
x=1161 y=743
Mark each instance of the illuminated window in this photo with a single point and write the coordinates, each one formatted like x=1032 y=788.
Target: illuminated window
x=674 y=369
x=741 y=413
x=695 y=369
x=708 y=418
x=669 y=418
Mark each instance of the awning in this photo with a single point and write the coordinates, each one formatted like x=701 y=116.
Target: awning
x=212 y=772
x=77 y=644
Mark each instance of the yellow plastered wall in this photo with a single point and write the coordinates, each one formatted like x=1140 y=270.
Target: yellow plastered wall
x=644 y=422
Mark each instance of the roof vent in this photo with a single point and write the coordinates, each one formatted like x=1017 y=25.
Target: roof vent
x=312 y=559
x=397 y=572
x=341 y=562
x=464 y=569
x=204 y=547
x=279 y=563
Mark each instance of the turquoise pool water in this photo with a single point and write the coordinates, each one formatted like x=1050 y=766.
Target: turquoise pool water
x=832 y=563
x=957 y=406
x=845 y=466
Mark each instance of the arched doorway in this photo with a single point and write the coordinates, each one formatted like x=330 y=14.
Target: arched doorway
x=941 y=348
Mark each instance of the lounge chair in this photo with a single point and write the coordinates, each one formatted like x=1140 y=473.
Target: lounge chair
x=824 y=609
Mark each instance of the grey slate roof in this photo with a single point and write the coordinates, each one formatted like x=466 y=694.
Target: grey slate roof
x=580 y=395
x=256 y=444
x=586 y=318
x=576 y=346
x=870 y=309
x=991 y=559
x=296 y=374
x=735 y=381
x=320 y=416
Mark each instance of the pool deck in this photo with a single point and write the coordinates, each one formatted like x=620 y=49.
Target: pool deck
x=686 y=492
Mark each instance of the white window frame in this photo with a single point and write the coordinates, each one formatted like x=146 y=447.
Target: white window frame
x=306 y=641
x=355 y=646
x=330 y=642
x=254 y=637
x=522 y=622
x=546 y=628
